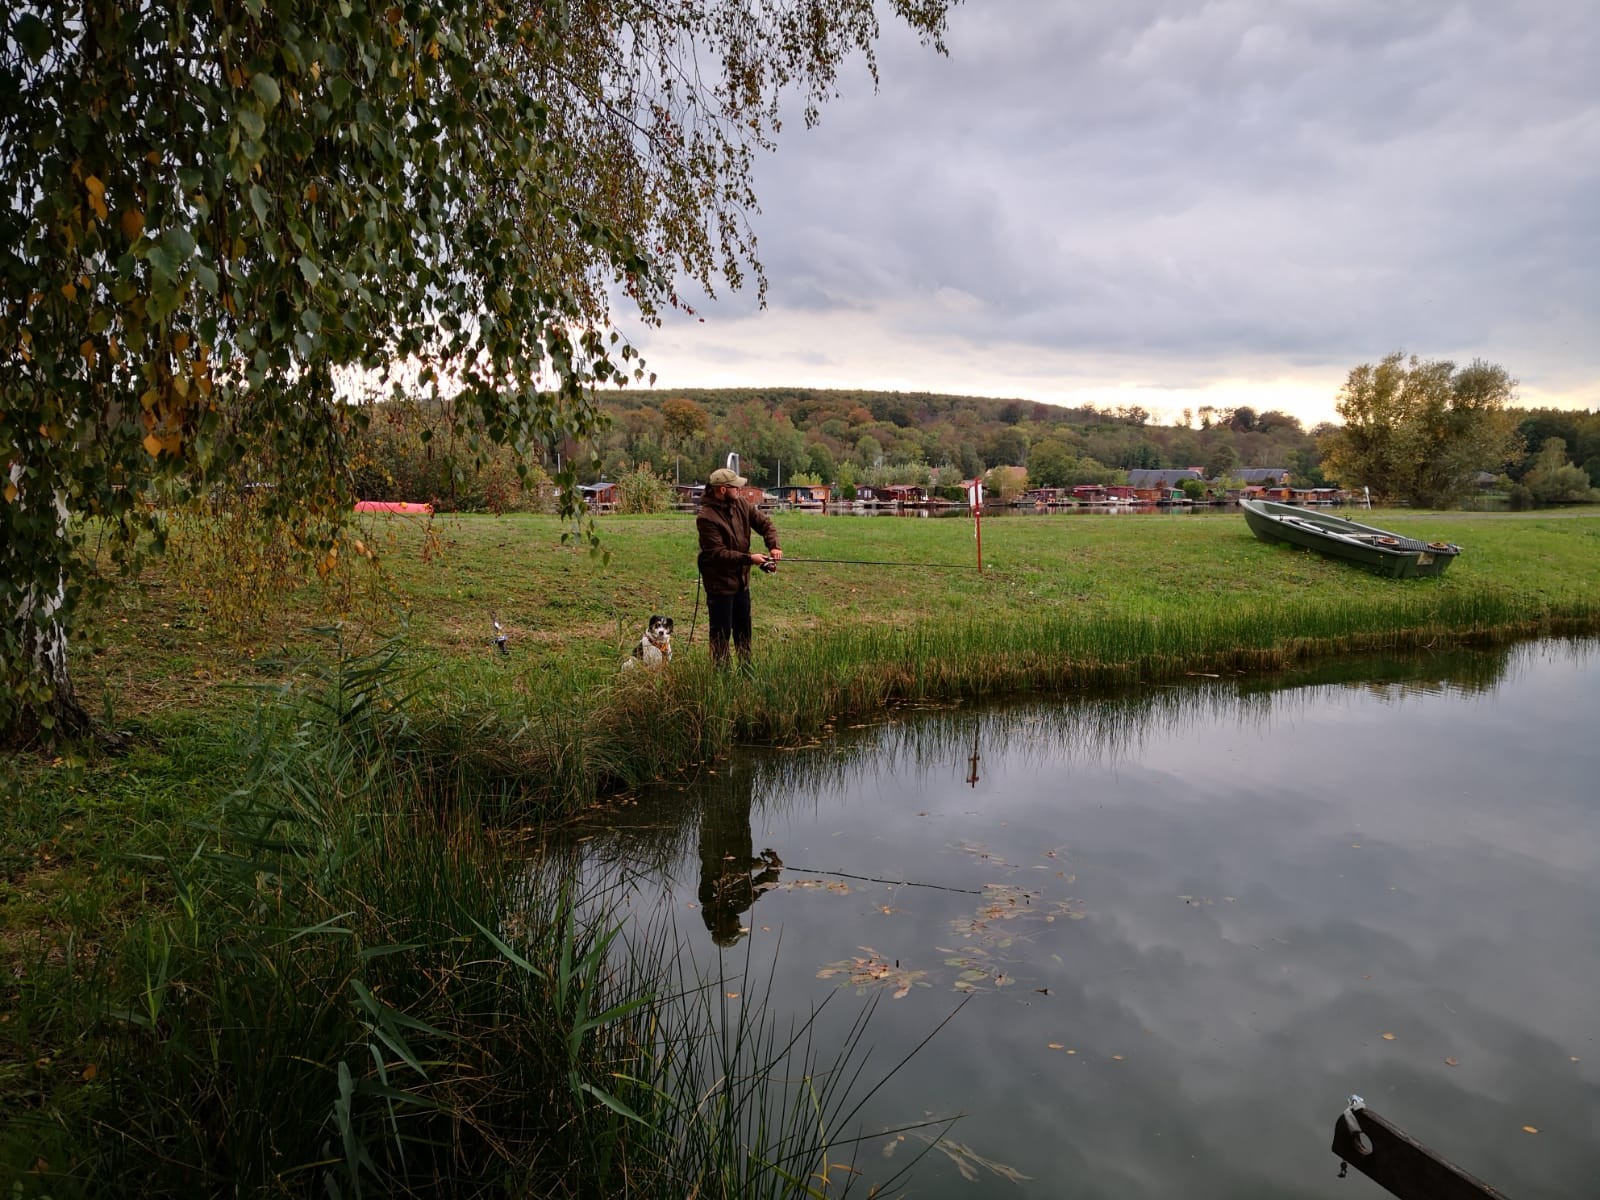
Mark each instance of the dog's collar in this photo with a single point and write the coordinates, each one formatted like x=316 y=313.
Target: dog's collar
x=660 y=644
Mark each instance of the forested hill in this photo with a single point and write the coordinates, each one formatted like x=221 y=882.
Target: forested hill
x=873 y=436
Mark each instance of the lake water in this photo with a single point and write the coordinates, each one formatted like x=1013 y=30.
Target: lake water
x=1182 y=926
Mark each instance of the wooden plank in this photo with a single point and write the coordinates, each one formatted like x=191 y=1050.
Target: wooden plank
x=1396 y=1161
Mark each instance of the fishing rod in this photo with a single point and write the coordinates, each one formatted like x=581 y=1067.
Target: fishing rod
x=867 y=562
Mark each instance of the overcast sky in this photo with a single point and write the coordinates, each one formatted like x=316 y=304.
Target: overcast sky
x=1173 y=203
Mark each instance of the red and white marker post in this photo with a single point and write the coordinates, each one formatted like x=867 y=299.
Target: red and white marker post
x=975 y=501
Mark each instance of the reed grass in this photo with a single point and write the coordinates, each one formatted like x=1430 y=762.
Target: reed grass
x=550 y=751
x=353 y=989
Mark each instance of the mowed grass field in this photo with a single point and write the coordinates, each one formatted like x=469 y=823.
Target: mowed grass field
x=572 y=616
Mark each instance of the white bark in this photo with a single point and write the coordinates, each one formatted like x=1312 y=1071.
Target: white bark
x=44 y=632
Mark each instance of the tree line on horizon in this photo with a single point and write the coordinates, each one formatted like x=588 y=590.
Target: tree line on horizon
x=1412 y=431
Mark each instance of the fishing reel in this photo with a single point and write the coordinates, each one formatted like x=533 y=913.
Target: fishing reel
x=770 y=566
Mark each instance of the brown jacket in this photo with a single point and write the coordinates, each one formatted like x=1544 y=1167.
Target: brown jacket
x=725 y=543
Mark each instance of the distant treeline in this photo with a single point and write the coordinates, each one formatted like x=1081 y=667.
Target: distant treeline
x=872 y=437
x=917 y=437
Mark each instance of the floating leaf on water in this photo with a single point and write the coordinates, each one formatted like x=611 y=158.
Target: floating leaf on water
x=969 y=1162
x=1057 y=1046
x=1116 y=1058
x=1450 y=1062
x=871 y=969
x=732 y=995
x=1388 y=1037
x=1529 y=1129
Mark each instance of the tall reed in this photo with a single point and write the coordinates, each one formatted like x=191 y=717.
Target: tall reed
x=545 y=751
x=359 y=989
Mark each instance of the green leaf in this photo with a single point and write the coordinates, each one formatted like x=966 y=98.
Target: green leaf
x=252 y=124
x=266 y=87
x=165 y=261
x=34 y=35
x=509 y=953
x=309 y=269
x=615 y=1105
x=260 y=202
x=181 y=241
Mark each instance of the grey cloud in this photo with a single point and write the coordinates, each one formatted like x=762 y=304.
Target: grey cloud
x=1315 y=181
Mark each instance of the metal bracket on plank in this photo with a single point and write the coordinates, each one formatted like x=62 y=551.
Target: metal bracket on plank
x=1396 y=1161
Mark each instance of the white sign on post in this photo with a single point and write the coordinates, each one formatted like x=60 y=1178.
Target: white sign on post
x=975 y=494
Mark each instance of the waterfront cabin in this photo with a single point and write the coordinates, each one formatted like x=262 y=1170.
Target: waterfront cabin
x=1048 y=496
x=598 y=497
x=804 y=495
x=902 y=493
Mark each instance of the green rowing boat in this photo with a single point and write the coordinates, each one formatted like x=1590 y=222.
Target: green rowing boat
x=1375 y=549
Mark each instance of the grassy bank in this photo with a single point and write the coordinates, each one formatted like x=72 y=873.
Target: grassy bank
x=287 y=903
x=1064 y=603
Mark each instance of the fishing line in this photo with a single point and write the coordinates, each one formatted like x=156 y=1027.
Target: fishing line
x=872 y=879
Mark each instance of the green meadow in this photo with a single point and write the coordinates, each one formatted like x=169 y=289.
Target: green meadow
x=286 y=940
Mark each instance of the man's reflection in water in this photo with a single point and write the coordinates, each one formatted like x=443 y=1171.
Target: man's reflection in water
x=731 y=874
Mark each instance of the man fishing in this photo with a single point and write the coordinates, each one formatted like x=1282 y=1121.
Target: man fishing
x=724 y=524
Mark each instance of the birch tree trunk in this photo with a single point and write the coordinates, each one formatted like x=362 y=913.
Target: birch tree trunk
x=49 y=709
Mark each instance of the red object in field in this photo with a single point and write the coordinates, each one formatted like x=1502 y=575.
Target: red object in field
x=393 y=506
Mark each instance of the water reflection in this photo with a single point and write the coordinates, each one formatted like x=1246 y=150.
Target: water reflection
x=1186 y=918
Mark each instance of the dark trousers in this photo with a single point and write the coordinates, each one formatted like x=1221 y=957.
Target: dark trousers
x=730 y=618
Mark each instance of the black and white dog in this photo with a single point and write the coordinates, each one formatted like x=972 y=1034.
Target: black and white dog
x=654 y=649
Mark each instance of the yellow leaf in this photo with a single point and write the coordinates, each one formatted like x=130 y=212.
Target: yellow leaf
x=1388 y=1037
x=11 y=492
x=1450 y=1062
x=86 y=348
x=69 y=290
x=152 y=445
x=1057 y=1046
x=90 y=1071
x=311 y=193
x=180 y=343
x=1529 y=1129
x=132 y=222
x=95 y=188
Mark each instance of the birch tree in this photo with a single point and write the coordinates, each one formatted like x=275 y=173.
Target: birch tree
x=213 y=208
